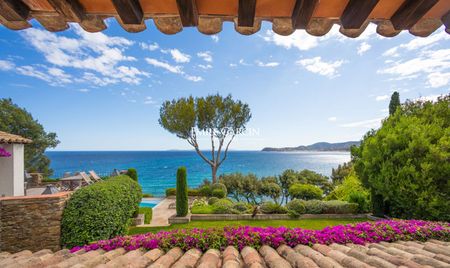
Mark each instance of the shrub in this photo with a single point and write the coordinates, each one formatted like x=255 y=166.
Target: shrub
x=339 y=207
x=100 y=211
x=272 y=208
x=220 y=186
x=295 y=208
x=208 y=209
x=361 y=200
x=219 y=193
x=212 y=200
x=182 y=193
x=132 y=173
x=148 y=214
x=305 y=191
x=171 y=192
x=193 y=192
x=223 y=206
x=242 y=207
x=314 y=206
x=350 y=184
x=205 y=190
x=147 y=195
x=199 y=202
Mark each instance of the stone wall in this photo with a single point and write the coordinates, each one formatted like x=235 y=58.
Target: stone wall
x=31 y=222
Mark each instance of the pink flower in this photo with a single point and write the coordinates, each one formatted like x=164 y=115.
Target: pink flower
x=4 y=153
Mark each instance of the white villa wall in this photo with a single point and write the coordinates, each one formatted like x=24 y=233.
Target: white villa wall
x=12 y=171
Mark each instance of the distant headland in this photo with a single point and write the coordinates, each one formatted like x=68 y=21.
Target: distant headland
x=319 y=146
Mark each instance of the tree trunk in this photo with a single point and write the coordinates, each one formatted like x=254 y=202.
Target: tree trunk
x=214 y=172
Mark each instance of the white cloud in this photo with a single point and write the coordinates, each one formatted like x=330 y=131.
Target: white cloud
x=432 y=98
x=60 y=75
x=299 y=39
x=215 y=38
x=152 y=47
x=363 y=48
x=205 y=55
x=84 y=90
x=371 y=123
x=432 y=63
x=179 y=56
x=90 y=52
x=438 y=79
x=382 y=98
x=33 y=72
x=332 y=119
x=173 y=69
x=233 y=65
x=205 y=66
x=417 y=43
x=316 y=65
x=267 y=64
x=243 y=62
x=6 y=65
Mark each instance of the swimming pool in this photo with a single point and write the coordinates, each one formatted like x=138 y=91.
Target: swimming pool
x=149 y=203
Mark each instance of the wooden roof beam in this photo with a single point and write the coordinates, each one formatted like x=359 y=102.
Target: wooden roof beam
x=130 y=11
x=246 y=13
x=410 y=12
x=14 y=10
x=302 y=13
x=356 y=13
x=72 y=10
x=188 y=12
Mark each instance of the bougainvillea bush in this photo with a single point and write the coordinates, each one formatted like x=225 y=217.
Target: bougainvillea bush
x=4 y=153
x=203 y=239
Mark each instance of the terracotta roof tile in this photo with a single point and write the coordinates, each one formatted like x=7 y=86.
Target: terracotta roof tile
x=11 y=138
x=432 y=253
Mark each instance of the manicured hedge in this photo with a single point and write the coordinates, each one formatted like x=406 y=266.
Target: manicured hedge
x=173 y=192
x=100 y=211
x=148 y=214
x=182 y=205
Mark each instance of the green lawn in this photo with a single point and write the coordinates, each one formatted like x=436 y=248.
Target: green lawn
x=312 y=224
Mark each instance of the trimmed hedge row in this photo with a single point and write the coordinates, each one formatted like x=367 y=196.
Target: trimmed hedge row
x=100 y=211
x=148 y=212
x=173 y=192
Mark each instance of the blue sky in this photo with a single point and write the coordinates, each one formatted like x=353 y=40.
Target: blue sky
x=103 y=91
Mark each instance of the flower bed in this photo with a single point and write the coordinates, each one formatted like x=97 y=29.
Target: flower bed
x=203 y=239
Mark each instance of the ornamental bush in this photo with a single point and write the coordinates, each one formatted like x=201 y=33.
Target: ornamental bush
x=148 y=212
x=223 y=206
x=182 y=205
x=314 y=206
x=100 y=211
x=272 y=208
x=212 y=200
x=219 y=193
x=132 y=173
x=220 y=186
x=339 y=207
x=205 y=190
x=171 y=192
x=295 y=208
x=360 y=199
x=305 y=191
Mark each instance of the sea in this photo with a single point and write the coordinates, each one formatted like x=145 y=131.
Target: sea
x=157 y=169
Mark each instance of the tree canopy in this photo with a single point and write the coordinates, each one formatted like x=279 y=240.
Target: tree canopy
x=407 y=160
x=16 y=120
x=222 y=118
x=394 y=103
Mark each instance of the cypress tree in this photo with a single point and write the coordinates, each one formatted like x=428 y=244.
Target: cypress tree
x=182 y=193
x=394 y=103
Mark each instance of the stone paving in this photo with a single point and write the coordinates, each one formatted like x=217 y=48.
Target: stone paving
x=161 y=213
x=413 y=254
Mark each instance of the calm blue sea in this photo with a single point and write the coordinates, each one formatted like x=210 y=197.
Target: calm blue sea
x=157 y=169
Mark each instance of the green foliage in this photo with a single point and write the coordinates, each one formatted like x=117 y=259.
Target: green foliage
x=220 y=116
x=219 y=186
x=233 y=183
x=148 y=214
x=351 y=184
x=147 y=195
x=314 y=206
x=342 y=171
x=242 y=207
x=50 y=180
x=360 y=199
x=339 y=207
x=223 y=206
x=406 y=162
x=272 y=208
x=193 y=192
x=212 y=200
x=307 y=176
x=295 y=208
x=250 y=186
x=394 y=103
x=286 y=179
x=219 y=193
x=100 y=211
x=305 y=191
x=182 y=206
x=132 y=173
x=270 y=188
x=16 y=120
x=205 y=190
x=208 y=209
x=171 y=192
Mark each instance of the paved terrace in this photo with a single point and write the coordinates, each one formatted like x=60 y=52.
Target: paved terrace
x=387 y=255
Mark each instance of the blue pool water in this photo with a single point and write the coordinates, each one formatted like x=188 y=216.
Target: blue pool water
x=149 y=203
x=157 y=169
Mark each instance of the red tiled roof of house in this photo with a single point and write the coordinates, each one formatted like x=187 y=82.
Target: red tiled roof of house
x=11 y=138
